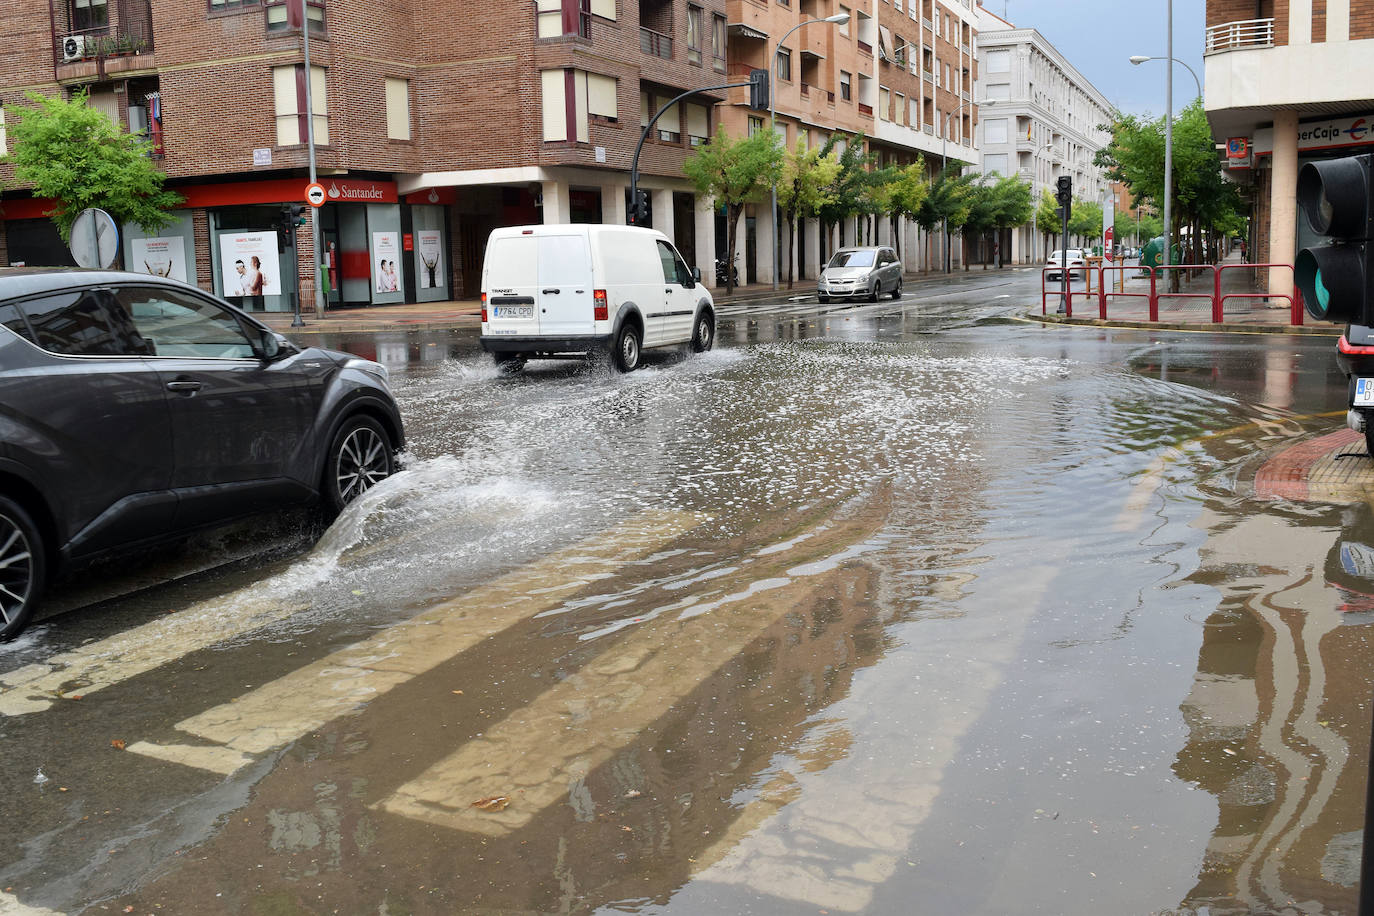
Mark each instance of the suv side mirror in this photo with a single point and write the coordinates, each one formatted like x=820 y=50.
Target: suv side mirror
x=271 y=345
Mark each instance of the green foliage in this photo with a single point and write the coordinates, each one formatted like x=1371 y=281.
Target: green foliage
x=734 y=173
x=907 y=189
x=1047 y=213
x=67 y=150
x=808 y=177
x=950 y=199
x=1085 y=221
x=1011 y=202
x=848 y=190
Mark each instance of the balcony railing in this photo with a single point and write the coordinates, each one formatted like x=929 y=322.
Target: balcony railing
x=655 y=44
x=1245 y=33
x=127 y=32
x=865 y=48
x=805 y=90
x=866 y=110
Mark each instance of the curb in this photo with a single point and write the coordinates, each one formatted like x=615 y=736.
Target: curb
x=1224 y=327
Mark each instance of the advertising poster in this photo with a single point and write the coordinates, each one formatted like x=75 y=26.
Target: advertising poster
x=249 y=265
x=429 y=248
x=160 y=257
x=386 y=276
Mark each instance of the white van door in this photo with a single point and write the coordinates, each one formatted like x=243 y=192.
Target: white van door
x=679 y=300
x=510 y=286
x=563 y=295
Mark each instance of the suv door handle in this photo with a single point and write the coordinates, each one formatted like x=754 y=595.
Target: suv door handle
x=183 y=384
x=550 y=292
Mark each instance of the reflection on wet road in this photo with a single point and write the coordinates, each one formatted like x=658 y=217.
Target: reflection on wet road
x=882 y=609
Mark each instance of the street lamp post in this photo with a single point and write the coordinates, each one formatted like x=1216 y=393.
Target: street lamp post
x=944 y=163
x=837 y=19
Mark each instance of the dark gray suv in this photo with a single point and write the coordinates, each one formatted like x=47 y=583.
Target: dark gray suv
x=135 y=409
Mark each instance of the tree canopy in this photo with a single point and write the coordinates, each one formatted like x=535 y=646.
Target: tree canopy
x=68 y=151
x=733 y=173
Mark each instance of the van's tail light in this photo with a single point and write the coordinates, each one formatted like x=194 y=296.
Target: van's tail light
x=602 y=312
x=484 y=308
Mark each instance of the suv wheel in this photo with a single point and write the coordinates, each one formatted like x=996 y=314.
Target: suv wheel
x=359 y=458
x=21 y=568
x=626 y=352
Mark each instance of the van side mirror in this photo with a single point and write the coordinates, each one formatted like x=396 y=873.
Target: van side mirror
x=696 y=274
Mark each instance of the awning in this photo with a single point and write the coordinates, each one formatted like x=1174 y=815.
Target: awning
x=807 y=52
x=885 y=48
x=740 y=30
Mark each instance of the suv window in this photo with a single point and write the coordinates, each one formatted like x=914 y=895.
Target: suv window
x=10 y=318
x=83 y=323
x=178 y=324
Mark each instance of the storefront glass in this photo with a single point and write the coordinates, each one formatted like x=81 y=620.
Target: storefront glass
x=251 y=266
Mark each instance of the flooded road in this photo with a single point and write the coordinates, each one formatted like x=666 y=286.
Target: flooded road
x=889 y=609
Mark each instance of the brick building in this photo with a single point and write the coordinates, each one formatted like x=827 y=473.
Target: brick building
x=433 y=126
x=901 y=71
x=1288 y=81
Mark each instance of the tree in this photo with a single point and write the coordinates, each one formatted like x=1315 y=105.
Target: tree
x=1085 y=221
x=1013 y=204
x=1047 y=217
x=851 y=182
x=68 y=151
x=906 y=190
x=806 y=186
x=734 y=173
x=947 y=203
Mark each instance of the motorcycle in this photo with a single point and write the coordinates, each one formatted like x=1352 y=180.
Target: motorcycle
x=734 y=270
x=1355 y=356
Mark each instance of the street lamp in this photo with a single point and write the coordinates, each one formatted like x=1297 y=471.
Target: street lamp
x=837 y=19
x=1139 y=59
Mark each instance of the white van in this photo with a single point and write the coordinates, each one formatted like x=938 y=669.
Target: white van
x=550 y=291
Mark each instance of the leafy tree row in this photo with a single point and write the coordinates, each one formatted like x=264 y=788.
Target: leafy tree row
x=842 y=180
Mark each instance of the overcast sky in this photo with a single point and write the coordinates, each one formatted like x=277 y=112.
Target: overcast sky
x=1099 y=37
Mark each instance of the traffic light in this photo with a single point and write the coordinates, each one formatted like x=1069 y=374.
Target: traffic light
x=1064 y=193
x=639 y=207
x=758 y=89
x=295 y=214
x=1335 y=276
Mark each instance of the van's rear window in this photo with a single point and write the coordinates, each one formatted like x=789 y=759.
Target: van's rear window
x=512 y=262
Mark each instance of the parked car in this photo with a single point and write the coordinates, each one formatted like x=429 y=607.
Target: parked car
x=1076 y=264
x=135 y=409
x=855 y=273
x=553 y=291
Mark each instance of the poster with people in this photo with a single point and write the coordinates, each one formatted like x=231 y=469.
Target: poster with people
x=428 y=245
x=386 y=247
x=159 y=257
x=249 y=266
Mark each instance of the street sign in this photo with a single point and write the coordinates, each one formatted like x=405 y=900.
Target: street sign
x=314 y=194
x=95 y=239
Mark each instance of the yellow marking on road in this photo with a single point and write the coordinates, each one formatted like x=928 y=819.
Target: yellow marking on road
x=1133 y=510
x=577 y=725
x=293 y=705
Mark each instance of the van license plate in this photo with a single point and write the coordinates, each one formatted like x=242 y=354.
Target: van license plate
x=512 y=311
x=1364 y=392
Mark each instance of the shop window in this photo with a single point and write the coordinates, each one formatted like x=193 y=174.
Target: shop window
x=288 y=84
x=397 y=109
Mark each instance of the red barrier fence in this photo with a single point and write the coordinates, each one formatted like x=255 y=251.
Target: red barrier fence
x=1215 y=295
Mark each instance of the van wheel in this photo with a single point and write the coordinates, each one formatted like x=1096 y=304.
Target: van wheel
x=509 y=363
x=21 y=568
x=704 y=334
x=626 y=352
x=359 y=458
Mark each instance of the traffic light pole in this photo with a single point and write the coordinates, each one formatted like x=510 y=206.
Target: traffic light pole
x=636 y=214
x=1064 y=261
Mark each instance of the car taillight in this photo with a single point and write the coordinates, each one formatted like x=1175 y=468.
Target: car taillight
x=601 y=311
x=1350 y=349
x=484 y=308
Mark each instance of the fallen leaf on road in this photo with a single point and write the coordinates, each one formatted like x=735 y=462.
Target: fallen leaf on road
x=495 y=803
x=117 y=744
x=458 y=692
x=633 y=793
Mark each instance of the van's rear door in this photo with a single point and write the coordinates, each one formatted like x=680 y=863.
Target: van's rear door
x=510 y=285
x=563 y=295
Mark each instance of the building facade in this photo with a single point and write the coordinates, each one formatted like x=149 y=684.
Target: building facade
x=1287 y=81
x=432 y=126
x=899 y=71
x=1041 y=119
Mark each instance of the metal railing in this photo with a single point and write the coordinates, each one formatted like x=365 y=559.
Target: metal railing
x=865 y=109
x=1244 y=33
x=1212 y=300
x=655 y=44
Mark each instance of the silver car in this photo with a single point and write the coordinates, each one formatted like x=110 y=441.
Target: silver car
x=855 y=273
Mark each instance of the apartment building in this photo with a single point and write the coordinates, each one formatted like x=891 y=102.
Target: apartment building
x=433 y=125
x=900 y=71
x=1287 y=82
x=1041 y=119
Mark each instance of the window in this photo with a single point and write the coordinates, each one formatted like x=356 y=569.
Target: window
x=83 y=323
x=87 y=15
x=718 y=42
x=279 y=16
x=995 y=130
x=564 y=102
x=884 y=103
x=220 y=6
x=999 y=91
x=601 y=97
x=604 y=8
x=755 y=125
x=694 y=34
x=784 y=64
x=698 y=124
x=995 y=164
x=998 y=61
x=397 y=109
x=554 y=18
x=845 y=85
x=899 y=109
x=670 y=125
x=177 y=324
x=844 y=26
x=288 y=84
x=674 y=270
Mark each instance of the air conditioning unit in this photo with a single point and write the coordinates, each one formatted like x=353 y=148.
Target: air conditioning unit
x=75 y=47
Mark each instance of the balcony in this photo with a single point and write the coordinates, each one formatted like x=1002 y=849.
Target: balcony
x=866 y=110
x=120 y=38
x=865 y=48
x=655 y=44
x=1245 y=33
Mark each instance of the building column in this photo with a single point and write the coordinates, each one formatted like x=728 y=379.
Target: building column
x=613 y=204
x=1283 y=202
x=705 y=216
x=763 y=236
x=1015 y=247
x=911 y=245
x=661 y=203
x=810 y=249
x=557 y=203
x=742 y=245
